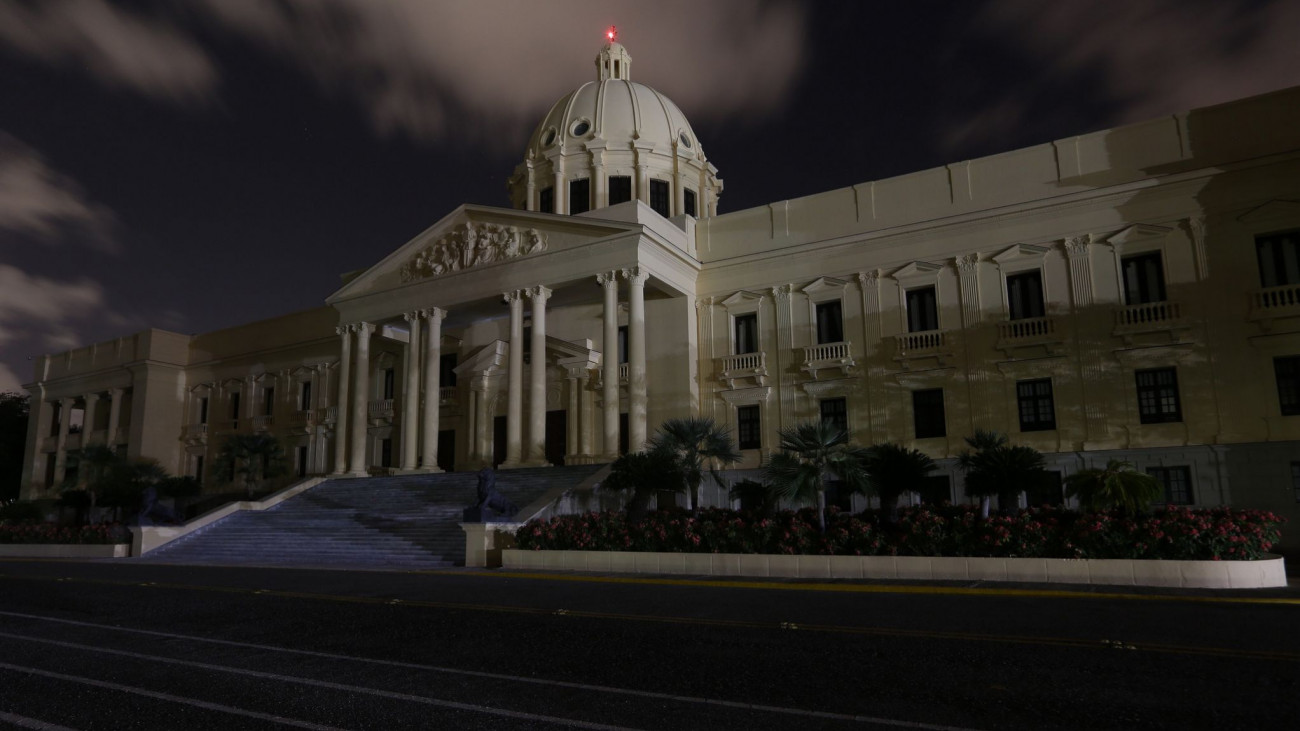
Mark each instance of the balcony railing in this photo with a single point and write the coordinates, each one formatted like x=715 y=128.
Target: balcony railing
x=1149 y=317
x=828 y=356
x=923 y=344
x=263 y=422
x=381 y=409
x=447 y=395
x=623 y=370
x=303 y=418
x=1275 y=302
x=196 y=430
x=733 y=368
x=1031 y=331
x=329 y=414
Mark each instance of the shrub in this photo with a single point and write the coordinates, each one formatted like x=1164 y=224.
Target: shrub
x=20 y=511
x=44 y=533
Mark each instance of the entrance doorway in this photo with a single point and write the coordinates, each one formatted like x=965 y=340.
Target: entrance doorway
x=447 y=450
x=498 y=441
x=557 y=431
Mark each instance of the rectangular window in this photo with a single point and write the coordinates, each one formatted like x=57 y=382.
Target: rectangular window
x=386 y=453
x=1157 y=393
x=1025 y=295
x=447 y=371
x=922 y=310
x=659 y=197
x=203 y=410
x=1034 y=399
x=689 y=202
x=268 y=400
x=836 y=411
x=579 y=196
x=746 y=334
x=749 y=431
x=304 y=396
x=620 y=189
x=927 y=413
x=234 y=406
x=622 y=344
x=389 y=383
x=1287 y=372
x=1144 y=279
x=830 y=322
x=1177 y=483
x=546 y=200
x=1279 y=259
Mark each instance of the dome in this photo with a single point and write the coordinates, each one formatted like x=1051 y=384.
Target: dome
x=613 y=140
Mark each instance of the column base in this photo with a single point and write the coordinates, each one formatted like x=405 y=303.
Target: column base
x=523 y=464
x=355 y=473
x=416 y=471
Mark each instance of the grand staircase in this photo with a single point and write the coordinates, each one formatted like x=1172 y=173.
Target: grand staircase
x=408 y=521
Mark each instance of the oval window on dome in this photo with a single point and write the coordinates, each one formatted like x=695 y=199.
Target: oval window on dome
x=581 y=128
x=686 y=141
x=548 y=138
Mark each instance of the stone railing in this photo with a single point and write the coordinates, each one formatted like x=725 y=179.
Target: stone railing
x=623 y=370
x=263 y=422
x=828 y=356
x=303 y=418
x=381 y=409
x=1148 y=314
x=328 y=414
x=745 y=365
x=447 y=395
x=196 y=430
x=1031 y=331
x=920 y=342
x=1275 y=301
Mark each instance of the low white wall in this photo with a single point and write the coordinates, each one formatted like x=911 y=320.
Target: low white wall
x=64 y=550
x=1114 y=572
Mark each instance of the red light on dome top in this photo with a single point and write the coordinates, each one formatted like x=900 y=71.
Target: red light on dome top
x=612 y=33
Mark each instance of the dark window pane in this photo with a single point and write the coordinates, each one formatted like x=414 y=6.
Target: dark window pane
x=268 y=401
x=203 y=411
x=830 y=322
x=659 y=197
x=836 y=411
x=304 y=398
x=386 y=453
x=234 y=405
x=579 y=196
x=748 y=427
x=546 y=200
x=622 y=344
x=689 y=202
x=746 y=334
x=1144 y=279
x=620 y=189
x=1157 y=393
x=1025 y=295
x=927 y=413
x=1034 y=402
x=1177 y=483
x=1287 y=371
x=1279 y=259
x=922 y=310
x=447 y=370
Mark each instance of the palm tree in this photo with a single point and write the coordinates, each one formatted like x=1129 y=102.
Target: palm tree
x=640 y=475
x=91 y=465
x=1119 y=486
x=251 y=457
x=756 y=496
x=994 y=466
x=810 y=451
x=893 y=470
x=691 y=442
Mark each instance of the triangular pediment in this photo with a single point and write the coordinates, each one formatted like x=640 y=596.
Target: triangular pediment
x=825 y=284
x=1020 y=251
x=1137 y=232
x=1272 y=211
x=917 y=270
x=742 y=297
x=473 y=238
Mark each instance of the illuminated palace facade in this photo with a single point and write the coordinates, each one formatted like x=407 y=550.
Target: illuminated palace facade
x=1132 y=293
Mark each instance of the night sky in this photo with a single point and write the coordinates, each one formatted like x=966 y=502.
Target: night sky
x=196 y=164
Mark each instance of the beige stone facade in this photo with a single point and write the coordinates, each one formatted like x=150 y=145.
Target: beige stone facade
x=1130 y=293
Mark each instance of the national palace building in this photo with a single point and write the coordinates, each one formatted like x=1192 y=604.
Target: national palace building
x=1132 y=293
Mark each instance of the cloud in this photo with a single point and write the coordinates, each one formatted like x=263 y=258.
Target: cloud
x=31 y=300
x=118 y=47
x=40 y=201
x=485 y=71
x=1157 y=57
x=9 y=380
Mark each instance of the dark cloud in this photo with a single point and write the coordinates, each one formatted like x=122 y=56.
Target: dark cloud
x=44 y=204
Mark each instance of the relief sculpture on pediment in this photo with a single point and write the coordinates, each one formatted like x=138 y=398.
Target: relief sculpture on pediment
x=471 y=245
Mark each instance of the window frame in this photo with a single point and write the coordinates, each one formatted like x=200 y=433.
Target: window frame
x=843 y=415
x=1012 y=313
x=1288 y=384
x=576 y=196
x=1141 y=297
x=656 y=186
x=609 y=189
x=917 y=398
x=689 y=203
x=546 y=200
x=1035 y=401
x=933 y=289
x=1158 y=415
x=744 y=423
x=736 y=320
x=838 y=304
x=1282 y=276
x=1162 y=474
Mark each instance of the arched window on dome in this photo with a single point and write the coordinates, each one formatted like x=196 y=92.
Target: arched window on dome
x=659 y=197
x=579 y=196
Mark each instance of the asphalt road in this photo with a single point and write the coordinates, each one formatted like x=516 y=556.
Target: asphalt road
x=116 y=645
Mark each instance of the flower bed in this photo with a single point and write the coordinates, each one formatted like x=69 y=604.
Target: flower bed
x=1173 y=534
x=50 y=533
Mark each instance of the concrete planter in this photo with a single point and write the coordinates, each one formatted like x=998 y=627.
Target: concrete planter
x=1268 y=572
x=64 y=550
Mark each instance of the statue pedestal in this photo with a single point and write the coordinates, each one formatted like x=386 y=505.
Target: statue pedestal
x=485 y=541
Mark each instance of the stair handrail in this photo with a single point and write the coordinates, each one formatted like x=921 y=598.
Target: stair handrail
x=544 y=507
x=146 y=538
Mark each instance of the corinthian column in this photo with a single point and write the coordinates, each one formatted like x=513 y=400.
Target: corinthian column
x=341 y=403
x=636 y=384
x=411 y=393
x=609 y=362
x=537 y=385
x=432 y=387
x=361 y=400
x=515 y=382
x=61 y=442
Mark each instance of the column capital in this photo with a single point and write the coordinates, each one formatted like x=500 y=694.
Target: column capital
x=538 y=293
x=782 y=291
x=703 y=303
x=413 y=315
x=967 y=263
x=513 y=295
x=68 y=401
x=434 y=313
x=1076 y=246
x=362 y=328
x=869 y=278
x=635 y=275
x=343 y=330
x=607 y=279
x=116 y=391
